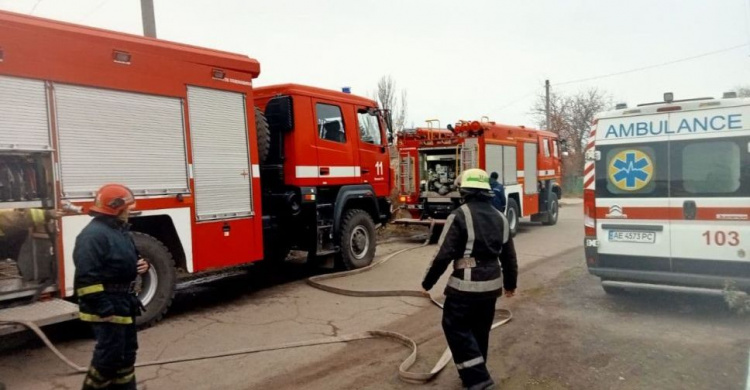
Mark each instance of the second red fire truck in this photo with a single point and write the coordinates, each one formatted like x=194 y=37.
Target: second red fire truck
x=527 y=162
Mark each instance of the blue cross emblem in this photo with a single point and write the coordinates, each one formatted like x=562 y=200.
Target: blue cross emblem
x=631 y=169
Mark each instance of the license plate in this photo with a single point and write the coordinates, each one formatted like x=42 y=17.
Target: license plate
x=640 y=237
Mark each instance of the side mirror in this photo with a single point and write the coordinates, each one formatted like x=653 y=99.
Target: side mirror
x=280 y=114
x=389 y=125
x=593 y=155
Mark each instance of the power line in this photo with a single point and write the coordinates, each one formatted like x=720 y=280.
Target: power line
x=653 y=66
x=100 y=5
x=34 y=7
x=517 y=100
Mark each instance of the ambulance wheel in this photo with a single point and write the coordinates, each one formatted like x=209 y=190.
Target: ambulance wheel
x=156 y=287
x=263 y=134
x=554 y=210
x=511 y=214
x=357 y=239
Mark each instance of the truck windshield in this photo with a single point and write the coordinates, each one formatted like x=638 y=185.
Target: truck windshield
x=369 y=127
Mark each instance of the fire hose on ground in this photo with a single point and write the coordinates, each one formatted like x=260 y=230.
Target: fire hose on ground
x=316 y=282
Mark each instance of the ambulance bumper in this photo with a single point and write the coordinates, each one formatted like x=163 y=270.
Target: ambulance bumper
x=668 y=279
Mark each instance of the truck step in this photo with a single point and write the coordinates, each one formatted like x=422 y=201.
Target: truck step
x=422 y=222
x=41 y=313
x=324 y=205
x=326 y=252
x=187 y=283
x=14 y=288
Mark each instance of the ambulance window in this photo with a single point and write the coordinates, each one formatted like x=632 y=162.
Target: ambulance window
x=633 y=171
x=545 y=144
x=369 y=127
x=330 y=123
x=707 y=168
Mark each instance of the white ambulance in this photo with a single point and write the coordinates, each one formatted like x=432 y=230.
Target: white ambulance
x=667 y=195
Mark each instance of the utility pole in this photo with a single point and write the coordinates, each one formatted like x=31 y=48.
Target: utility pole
x=546 y=101
x=149 y=20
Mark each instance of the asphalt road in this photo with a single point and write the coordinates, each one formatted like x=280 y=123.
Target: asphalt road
x=566 y=333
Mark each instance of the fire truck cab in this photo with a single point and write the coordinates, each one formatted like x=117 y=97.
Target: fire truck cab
x=667 y=196
x=328 y=168
x=527 y=162
x=217 y=185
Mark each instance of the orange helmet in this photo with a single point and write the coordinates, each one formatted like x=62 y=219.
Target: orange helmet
x=112 y=199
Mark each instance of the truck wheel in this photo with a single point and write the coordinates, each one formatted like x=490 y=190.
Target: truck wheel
x=357 y=239
x=511 y=214
x=264 y=134
x=156 y=287
x=554 y=210
x=278 y=253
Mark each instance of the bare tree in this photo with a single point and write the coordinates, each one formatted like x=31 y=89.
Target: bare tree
x=743 y=91
x=570 y=118
x=388 y=98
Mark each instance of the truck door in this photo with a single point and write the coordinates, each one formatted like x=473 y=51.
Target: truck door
x=710 y=192
x=632 y=196
x=337 y=163
x=546 y=159
x=530 y=179
x=374 y=164
x=224 y=204
x=407 y=180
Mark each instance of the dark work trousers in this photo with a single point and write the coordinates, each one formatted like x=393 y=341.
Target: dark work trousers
x=114 y=357
x=467 y=324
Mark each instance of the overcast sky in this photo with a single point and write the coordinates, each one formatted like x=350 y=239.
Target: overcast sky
x=457 y=60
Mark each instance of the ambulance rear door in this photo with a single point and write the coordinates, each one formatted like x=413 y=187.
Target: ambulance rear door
x=632 y=193
x=709 y=153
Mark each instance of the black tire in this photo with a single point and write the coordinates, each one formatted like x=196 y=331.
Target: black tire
x=554 y=210
x=156 y=298
x=511 y=214
x=357 y=239
x=278 y=253
x=18 y=340
x=437 y=230
x=263 y=133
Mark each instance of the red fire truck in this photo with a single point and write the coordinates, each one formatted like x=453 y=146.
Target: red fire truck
x=224 y=174
x=526 y=160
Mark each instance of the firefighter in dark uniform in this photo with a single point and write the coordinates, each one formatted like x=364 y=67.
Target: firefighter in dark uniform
x=474 y=238
x=107 y=264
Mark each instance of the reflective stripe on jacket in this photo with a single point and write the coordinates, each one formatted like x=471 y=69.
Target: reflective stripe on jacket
x=480 y=232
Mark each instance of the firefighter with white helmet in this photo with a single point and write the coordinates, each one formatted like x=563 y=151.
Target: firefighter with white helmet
x=107 y=264
x=476 y=235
